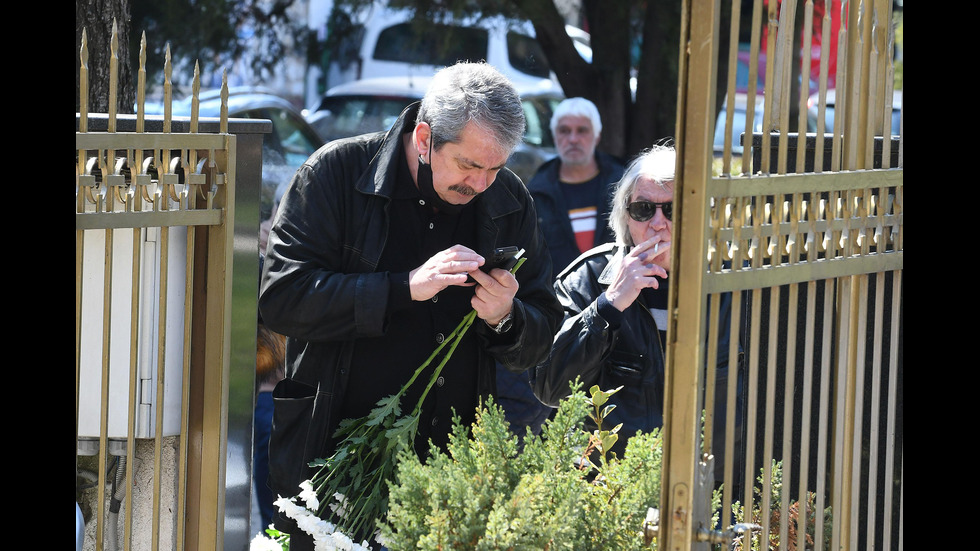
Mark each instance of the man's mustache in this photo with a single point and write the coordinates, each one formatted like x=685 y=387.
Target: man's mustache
x=463 y=189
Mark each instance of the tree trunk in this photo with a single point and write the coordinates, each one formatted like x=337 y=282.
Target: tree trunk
x=609 y=25
x=654 y=114
x=628 y=126
x=97 y=18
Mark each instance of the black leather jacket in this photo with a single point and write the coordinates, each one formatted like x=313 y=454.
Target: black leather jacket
x=321 y=290
x=630 y=355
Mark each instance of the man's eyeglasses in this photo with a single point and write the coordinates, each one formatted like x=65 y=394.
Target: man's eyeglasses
x=641 y=211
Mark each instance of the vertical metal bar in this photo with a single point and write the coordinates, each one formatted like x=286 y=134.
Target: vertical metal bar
x=80 y=234
x=736 y=10
x=801 y=124
x=856 y=114
x=686 y=331
x=806 y=412
x=789 y=388
x=752 y=400
x=185 y=387
x=892 y=399
x=767 y=443
x=133 y=380
x=104 y=402
x=164 y=255
x=730 y=405
x=841 y=81
x=206 y=474
x=824 y=446
x=783 y=82
x=857 y=363
x=710 y=367
x=873 y=99
x=113 y=76
x=755 y=35
x=825 y=25
x=840 y=469
x=875 y=409
x=767 y=110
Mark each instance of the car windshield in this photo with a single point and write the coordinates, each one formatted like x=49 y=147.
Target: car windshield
x=405 y=43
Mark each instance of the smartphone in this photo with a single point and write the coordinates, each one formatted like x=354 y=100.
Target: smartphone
x=504 y=258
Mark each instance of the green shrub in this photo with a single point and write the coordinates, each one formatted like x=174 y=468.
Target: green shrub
x=485 y=494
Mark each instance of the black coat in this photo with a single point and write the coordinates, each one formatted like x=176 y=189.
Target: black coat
x=553 y=210
x=321 y=290
x=630 y=355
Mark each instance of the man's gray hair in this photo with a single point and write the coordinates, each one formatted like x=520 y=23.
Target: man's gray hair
x=472 y=92
x=577 y=107
x=657 y=164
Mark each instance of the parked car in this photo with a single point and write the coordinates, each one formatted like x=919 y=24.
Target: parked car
x=372 y=105
x=284 y=150
x=738 y=123
x=812 y=106
x=382 y=41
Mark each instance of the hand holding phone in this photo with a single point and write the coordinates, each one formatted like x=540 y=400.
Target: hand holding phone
x=504 y=258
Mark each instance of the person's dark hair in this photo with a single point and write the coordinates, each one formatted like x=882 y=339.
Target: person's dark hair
x=472 y=92
x=656 y=163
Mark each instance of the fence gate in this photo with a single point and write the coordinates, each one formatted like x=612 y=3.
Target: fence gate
x=154 y=219
x=803 y=231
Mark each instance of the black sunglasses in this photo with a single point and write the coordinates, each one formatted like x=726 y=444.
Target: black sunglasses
x=641 y=211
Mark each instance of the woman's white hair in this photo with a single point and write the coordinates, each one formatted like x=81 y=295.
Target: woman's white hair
x=657 y=164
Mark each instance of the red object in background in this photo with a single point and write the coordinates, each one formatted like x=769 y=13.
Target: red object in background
x=819 y=8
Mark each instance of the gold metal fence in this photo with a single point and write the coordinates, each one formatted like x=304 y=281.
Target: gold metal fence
x=804 y=233
x=153 y=225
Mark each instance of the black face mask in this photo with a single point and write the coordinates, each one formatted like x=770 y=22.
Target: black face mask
x=428 y=191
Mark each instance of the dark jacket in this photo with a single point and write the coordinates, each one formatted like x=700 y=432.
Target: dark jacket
x=321 y=290
x=629 y=355
x=553 y=210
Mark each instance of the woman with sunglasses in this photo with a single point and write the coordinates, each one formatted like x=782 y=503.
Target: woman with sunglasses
x=615 y=302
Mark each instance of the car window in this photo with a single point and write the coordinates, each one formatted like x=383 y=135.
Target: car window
x=443 y=47
x=290 y=136
x=354 y=115
x=537 y=113
x=296 y=142
x=526 y=55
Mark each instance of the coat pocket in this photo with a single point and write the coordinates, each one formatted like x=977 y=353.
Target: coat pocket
x=291 y=420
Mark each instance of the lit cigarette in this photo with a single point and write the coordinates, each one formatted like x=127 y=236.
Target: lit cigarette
x=656 y=246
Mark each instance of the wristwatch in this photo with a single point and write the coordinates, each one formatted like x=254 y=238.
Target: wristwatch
x=504 y=324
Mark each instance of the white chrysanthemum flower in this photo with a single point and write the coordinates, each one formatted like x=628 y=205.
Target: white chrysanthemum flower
x=308 y=495
x=290 y=509
x=263 y=543
x=313 y=525
x=343 y=542
x=339 y=508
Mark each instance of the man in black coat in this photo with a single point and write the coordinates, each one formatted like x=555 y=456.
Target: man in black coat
x=368 y=262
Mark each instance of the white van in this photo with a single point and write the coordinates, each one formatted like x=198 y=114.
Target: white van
x=383 y=42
